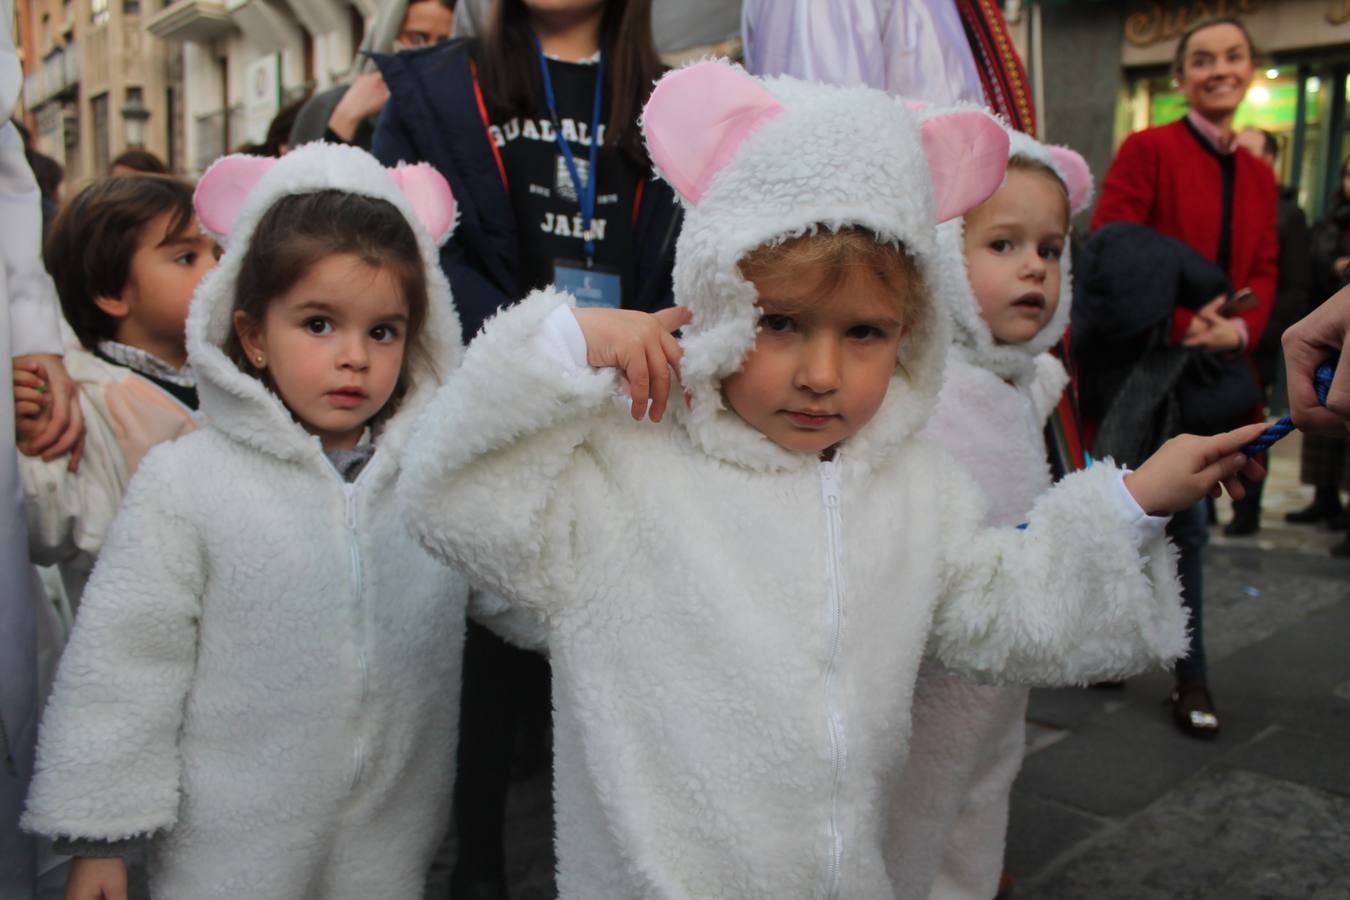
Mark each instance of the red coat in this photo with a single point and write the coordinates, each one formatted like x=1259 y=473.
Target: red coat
x=1166 y=178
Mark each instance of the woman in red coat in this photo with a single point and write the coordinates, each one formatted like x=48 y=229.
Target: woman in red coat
x=1188 y=181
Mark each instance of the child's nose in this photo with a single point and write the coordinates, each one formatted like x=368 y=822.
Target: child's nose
x=1033 y=265
x=353 y=354
x=818 y=368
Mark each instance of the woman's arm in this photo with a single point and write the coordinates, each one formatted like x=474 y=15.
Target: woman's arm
x=108 y=762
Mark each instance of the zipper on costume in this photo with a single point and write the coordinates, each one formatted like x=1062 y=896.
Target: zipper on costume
x=830 y=491
x=357 y=575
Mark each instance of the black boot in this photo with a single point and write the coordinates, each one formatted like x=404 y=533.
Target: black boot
x=1193 y=709
x=1325 y=505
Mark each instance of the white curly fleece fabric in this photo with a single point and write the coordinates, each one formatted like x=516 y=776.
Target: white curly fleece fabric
x=735 y=629
x=951 y=805
x=264 y=672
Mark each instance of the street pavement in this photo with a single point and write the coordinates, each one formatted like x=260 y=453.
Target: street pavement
x=1114 y=803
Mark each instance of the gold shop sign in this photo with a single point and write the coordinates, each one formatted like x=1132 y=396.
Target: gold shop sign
x=1153 y=23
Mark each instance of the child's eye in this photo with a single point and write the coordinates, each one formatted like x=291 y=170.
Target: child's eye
x=385 y=334
x=865 y=332
x=1000 y=245
x=776 y=322
x=318 y=325
x=1052 y=253
x=186 y=259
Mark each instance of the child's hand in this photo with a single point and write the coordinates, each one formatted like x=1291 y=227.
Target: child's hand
x=638 y=344
x=64 y=431
x=1187 y=467
x=32 y=402
x=97 y=878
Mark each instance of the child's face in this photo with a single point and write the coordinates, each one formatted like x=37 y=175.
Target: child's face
x=152 y=310
x=333 y=346
x=822 y=360
x=1013 y=244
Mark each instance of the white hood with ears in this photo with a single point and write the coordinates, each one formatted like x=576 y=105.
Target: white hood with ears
x=230 y=199
x=1013 y=362
x=756 y=161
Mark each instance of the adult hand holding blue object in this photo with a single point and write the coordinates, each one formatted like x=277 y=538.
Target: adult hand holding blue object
x=1320 y=338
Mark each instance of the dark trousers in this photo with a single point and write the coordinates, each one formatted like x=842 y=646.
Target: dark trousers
x=1189 y=530
x=503 y=686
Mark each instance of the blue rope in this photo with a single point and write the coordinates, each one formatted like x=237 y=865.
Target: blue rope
x=1322 y=384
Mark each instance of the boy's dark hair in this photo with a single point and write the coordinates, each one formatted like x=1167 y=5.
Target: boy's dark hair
x=140 y=161
x=93 y=239
x=509 y=68
x=301 y=230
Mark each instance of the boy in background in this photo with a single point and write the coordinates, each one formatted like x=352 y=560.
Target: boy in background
x=125 y=255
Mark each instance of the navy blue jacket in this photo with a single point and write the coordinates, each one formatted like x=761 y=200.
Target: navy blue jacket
x=434 y=115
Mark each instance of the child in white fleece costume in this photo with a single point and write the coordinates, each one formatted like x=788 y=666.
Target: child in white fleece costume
x=737 y=598
x=1005 y=282
x=263 y=677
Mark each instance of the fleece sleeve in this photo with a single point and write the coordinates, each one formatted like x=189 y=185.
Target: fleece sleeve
x=491 y=479
x=108 y=761
x=1086 y=592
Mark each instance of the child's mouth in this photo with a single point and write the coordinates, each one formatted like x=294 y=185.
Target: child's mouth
x=1030 y=301
x=347 y=397
x=810 y=418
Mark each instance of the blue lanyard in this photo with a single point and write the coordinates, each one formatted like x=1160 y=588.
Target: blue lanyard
x=586 y=192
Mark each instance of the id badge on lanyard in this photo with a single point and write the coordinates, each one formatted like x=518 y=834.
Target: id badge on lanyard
x=592 y=284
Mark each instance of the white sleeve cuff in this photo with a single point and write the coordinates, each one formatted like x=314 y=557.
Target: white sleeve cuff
x=1146 y=528
x=560 y=339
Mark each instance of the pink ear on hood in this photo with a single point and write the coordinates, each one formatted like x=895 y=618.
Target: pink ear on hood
x=429 y=194
x=1077 y=175
x=697 y=117
x=221 y=192
x=967 y=158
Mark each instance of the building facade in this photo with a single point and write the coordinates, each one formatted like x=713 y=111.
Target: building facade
x=187 y=80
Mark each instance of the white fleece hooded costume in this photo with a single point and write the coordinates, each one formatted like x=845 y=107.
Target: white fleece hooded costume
x=735 y=628
x=951 y=805
x=265 y=669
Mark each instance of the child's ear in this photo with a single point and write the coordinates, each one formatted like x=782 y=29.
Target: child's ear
x=250 y=338
x=115 y=307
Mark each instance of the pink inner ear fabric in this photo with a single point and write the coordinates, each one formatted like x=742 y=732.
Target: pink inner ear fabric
x=697 y=118
x=1078 y=177
x=430 y=196
x=967 y=158
x=221 y=192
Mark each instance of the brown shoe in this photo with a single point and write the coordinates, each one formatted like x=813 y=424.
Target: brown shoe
x=1193 y=710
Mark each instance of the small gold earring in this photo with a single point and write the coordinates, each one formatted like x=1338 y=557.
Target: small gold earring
x=260 y=360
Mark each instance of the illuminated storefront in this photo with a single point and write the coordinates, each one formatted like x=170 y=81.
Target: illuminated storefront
x=1299 y=93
